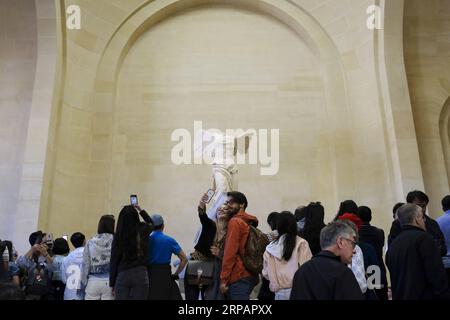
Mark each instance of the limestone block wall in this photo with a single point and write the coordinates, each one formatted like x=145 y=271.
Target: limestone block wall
x=139 y=69
x=88 y=113
x=427 y=57
x=27 y=71
x=18 y=55
x=245 y=70
x=400 y=134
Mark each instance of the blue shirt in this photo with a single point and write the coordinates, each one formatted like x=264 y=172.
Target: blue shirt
x=161 y=248
x=13 y=269
x=30 y=264
x=55 y=267
x=444 y=224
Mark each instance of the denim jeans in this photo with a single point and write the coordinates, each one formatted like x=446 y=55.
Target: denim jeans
x=132 y=284
x=283 y=294
x=241 y=289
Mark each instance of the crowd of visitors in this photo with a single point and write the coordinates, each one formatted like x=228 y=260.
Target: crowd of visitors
x=301 y=258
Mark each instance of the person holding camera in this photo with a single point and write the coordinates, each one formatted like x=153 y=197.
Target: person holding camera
x=128 y=275
x=203 y=258
x=217 y=250
x=36 y=263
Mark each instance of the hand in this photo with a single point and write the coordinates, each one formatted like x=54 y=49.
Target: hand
x=215 y=251
x=174 y=277
x=223 y=288
x=203 y=200
x=43 y=250
x=138 y=208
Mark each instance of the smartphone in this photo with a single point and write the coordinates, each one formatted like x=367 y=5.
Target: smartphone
x=210 y=193
x=134 y=200
x=49 y=240
x=64 y=236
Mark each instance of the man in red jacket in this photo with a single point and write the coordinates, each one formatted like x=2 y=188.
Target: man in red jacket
x=235 y=281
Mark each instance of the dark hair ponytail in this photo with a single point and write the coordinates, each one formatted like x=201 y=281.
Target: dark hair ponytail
x=287 y=225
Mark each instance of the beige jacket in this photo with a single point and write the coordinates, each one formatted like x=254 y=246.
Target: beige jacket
x=279 y=272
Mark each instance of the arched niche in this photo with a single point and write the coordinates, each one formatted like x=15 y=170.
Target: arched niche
x=289 y=13
x=444 y=129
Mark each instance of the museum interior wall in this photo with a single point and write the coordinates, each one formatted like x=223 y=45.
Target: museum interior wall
x=361 y=113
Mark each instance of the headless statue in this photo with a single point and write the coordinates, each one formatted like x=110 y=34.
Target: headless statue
x=221 y=154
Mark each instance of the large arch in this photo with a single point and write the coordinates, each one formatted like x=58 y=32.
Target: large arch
x=398 y=123
x=444 y=130
x=428 y=80
x=82 y=177
x=287 y=12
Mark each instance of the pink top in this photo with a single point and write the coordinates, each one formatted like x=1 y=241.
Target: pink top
x=279 y=272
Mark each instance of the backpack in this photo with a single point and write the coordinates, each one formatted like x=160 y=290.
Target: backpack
x=38 y=282
x=255 y=247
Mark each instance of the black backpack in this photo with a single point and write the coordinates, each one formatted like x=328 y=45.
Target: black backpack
x=38 y=282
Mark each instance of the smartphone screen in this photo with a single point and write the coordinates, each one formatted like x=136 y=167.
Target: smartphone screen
x=64 y=236
x=133 y=200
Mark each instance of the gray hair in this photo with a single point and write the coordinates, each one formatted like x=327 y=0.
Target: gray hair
x=354 y=228
x=333 y=231
x=407 y=213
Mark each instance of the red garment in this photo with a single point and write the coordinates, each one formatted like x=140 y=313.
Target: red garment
x=353 y=218
x=237 y=233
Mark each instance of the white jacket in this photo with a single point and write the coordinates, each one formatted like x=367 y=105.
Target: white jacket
x=279 y=272
x=71 y=271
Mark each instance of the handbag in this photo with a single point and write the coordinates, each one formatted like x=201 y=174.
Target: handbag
x=200 y=273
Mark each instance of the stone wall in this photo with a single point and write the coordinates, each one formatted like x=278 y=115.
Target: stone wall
x=427 y=57
x=137 y=70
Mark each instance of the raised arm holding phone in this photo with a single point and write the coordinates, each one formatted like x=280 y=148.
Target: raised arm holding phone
x=128 y=271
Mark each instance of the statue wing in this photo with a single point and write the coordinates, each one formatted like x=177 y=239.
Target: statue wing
x=242 y=141
x=202 y=143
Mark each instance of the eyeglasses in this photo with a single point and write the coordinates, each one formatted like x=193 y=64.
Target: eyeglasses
x=353 y=242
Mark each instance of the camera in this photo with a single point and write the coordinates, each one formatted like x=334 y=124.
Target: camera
x=49 y=243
